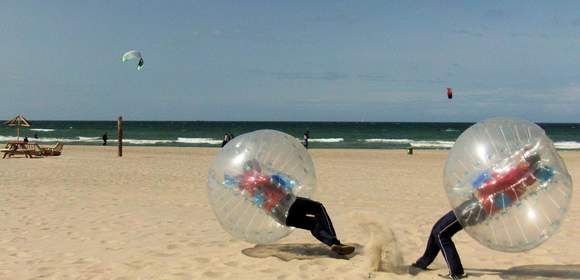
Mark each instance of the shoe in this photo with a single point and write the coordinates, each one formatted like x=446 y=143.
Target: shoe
x=342 y=249
x=415 y=269
x=454 y=277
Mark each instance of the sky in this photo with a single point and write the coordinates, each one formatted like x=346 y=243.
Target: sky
x=291 y=60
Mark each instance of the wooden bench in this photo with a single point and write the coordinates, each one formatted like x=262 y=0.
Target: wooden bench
x=29 y=150
x=10 y=153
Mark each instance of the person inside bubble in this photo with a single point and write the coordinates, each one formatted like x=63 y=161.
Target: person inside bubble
x=493 y=192
x=273 y=194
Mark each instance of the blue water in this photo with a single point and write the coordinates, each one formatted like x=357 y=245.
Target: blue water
x=365 y=135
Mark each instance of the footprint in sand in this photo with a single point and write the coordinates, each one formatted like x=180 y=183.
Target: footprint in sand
x=183 y=275
x=136 y=265
x=212 y=274
x=160 y=254
x=44 y=268
x=202 y=260
x=232 y=264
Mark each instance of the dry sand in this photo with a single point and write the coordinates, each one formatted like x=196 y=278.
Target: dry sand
x=90 y=215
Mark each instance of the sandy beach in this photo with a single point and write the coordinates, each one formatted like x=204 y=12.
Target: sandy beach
x=91 y=215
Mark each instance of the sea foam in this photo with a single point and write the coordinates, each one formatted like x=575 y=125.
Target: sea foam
x=198 y=140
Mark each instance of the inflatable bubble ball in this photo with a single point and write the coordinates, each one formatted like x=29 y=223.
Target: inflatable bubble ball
x=254 y=180
x=507 y=184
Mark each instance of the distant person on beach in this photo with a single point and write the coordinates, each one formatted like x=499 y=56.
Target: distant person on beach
x=306 y=137
x=226 y=139
x=35 y=135
x=25 y=139
x=231 y=136
x=105 y=138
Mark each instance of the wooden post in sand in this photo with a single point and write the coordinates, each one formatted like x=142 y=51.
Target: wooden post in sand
x=120 y=135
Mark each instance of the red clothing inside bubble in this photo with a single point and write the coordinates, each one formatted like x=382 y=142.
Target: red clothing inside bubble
x=512 y=184
x=256 y=183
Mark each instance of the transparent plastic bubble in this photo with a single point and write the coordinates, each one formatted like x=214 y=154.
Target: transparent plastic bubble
x=255 y=179
x=507 y=184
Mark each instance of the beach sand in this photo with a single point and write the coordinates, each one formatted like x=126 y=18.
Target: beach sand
x=91 y=215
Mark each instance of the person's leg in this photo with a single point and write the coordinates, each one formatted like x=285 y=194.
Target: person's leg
x=440 y=240
x=297 y=215
x=311 y=215
x=448 y=247
x=430 y=253
x=433 y=247
x=323 y=229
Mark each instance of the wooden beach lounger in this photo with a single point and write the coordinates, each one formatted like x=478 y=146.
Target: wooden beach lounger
x=55 y=150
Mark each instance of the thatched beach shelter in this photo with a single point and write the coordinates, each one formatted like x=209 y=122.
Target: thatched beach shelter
x=18 y=121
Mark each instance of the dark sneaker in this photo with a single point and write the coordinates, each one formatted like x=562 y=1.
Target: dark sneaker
x=342 y=249
x=453 y=277
x=415 y=269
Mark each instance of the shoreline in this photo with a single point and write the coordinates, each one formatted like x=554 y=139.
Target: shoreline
x=139 y=147
x=326 y=135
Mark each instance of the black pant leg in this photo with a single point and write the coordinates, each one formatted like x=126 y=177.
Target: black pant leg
x=440 y=239
x=323 y=230
x=297 y=215
x=430 y=253
x=311 y=215
x=451 y=227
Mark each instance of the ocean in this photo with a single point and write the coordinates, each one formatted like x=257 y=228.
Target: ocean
x=359 y=135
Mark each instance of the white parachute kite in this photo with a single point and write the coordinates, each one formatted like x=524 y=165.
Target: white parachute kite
x=133 y=54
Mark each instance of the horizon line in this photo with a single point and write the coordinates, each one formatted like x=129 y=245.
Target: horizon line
x=261 y=121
